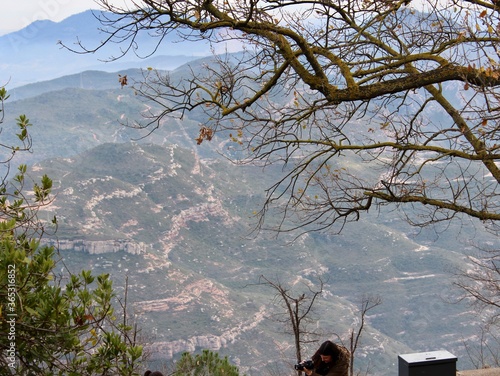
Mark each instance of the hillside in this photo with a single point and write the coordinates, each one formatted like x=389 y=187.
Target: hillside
x=191 y=217
x=79 y=112
x=177 y=226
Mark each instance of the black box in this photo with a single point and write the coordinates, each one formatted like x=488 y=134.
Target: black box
x=432 y=363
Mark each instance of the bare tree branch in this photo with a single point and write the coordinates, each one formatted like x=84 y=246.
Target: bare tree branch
x=362 y=103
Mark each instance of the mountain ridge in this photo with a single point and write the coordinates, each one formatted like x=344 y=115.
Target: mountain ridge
x=35 y=54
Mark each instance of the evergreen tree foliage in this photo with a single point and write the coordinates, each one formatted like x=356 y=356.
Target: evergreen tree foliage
x=51 y=324
x=207 y=363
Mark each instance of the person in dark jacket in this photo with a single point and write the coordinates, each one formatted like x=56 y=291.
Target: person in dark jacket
x=330 y=360
x=155 y=373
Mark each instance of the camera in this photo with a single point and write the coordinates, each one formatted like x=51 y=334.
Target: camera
x=305 y=364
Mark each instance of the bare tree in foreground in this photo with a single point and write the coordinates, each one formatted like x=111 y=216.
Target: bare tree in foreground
x=410 y=92
x=367 y=304
x=297 y=311
x=480 y=285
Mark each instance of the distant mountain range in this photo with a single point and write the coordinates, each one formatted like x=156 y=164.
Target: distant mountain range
x=34 y=54
x=175 y=218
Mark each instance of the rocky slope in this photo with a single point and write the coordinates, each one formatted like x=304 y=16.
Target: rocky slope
x=177 y=226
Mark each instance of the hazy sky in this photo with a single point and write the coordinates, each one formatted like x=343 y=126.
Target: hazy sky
x=15 y=15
